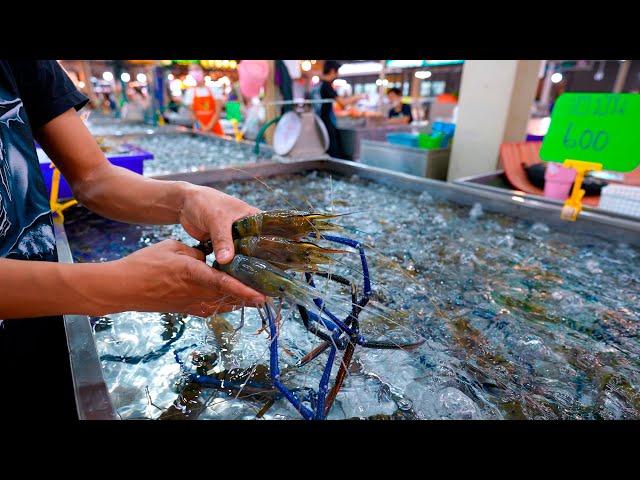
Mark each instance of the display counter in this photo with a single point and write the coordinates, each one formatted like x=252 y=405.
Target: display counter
x=133 y=395
x=432 y=163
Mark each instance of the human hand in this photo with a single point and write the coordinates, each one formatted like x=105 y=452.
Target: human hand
x=171 y=277
x=209 y=213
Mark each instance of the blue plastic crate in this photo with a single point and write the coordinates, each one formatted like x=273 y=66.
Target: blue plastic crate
x=132 y=160
x=403 y=138
x=447 y=130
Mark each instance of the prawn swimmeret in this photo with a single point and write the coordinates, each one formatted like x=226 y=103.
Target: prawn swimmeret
x=269 y=251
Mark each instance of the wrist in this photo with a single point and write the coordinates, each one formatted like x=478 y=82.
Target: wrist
x=89 y=288
x=184 y=193
x=115 y=286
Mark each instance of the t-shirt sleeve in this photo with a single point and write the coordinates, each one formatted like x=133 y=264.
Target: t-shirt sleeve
x=406 y=111
x=46 y=90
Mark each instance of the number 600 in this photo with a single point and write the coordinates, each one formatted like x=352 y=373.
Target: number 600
x=586 y=139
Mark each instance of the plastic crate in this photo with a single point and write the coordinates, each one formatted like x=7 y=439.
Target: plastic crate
x=233 y=111
x=403 y=138
x=623 y=199
x=132 y=160
x=446 y=129
x=434 y=140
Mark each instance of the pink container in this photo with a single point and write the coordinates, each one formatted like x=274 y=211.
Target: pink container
x=558 y=181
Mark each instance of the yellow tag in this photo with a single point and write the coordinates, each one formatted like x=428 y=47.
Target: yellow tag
x=573 y=205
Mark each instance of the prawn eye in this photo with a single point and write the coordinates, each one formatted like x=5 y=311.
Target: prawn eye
x=281 y=288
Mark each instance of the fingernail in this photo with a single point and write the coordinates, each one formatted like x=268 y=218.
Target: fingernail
x=224 y=252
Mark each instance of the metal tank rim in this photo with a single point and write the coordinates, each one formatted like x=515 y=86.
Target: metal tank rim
x=482 y=182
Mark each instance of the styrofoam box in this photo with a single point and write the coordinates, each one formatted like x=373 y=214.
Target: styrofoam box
x=622 y=199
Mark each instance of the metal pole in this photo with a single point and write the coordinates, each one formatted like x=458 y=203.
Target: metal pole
x=621 y=78
x=381 y=89
x=546 y=86
x=270 y=95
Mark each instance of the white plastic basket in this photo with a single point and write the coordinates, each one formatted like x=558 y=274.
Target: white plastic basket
x=622 y=199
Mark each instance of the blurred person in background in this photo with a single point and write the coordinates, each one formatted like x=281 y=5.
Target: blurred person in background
x=204 y=107
x=400 y=113
x=325 y=91
x=137 y=105
x=108 y=103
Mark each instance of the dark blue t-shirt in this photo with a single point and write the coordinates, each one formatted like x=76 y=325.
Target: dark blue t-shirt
x=325 y=91
x=32 y=93
x=405 y=111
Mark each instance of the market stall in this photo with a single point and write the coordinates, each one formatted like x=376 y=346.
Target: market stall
x=447 y=269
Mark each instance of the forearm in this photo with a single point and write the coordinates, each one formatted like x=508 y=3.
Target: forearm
x=119 y=194
x=37 y=289
x=216 y=116
x=111 y=191
x=209 y=125
x=398 y=120
x=352 y=100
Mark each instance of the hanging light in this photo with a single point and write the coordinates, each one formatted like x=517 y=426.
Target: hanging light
x=599 y=75
x=361 y=68
x=81 y=84
x=315 y=79
x=170 y=77
x=556 y=77
x=125 y=77
x=141 y=77
x=423 y=74
x=107 y=76
x=306 y=65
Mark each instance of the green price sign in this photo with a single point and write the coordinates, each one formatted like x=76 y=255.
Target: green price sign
x=595 y=127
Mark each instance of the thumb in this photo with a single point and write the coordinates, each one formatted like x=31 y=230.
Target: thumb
x=222 y=241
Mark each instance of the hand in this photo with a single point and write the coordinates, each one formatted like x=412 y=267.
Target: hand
x=209 y=213
x=172 y=277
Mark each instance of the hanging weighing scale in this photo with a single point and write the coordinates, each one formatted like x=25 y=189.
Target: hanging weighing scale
x=590 y=132
x=299 y=133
